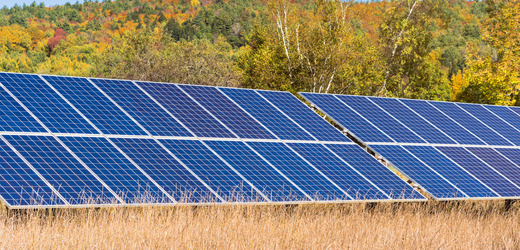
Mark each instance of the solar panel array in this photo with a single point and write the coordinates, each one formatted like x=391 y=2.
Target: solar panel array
x=452 y=150
x=70 y=141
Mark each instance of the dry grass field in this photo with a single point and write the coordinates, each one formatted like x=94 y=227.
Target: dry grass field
x=429 y=225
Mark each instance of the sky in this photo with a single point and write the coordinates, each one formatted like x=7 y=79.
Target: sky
x=11 y=3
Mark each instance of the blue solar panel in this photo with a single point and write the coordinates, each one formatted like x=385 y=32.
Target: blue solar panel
x=507 y=168
x=13 y=117
x=488 y=118
x=339 y=172
x=442 y=122
x=470 y=123
x=505 y=113
x=380 y=119
x=64 y=172
x=480 y=170
x=413 y=121
x=46 y=104
x=165 y=170
x=257 y=171
x=268 y=115
x=418 y=172
x=186 y=110
x=95 y=106
x=115 y=170
x=512 y=154
x=142 y=108
x=227 y=112
x=213 y=171
x=449 y=170
x=19 y=184
x=295 y=168
x=347 y=118
x=374 y=171
x=303 y=115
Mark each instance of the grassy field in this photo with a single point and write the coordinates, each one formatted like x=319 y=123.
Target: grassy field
x=392 y=225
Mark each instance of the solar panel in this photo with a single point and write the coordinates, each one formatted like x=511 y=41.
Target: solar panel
x=20 y=185
x=500 y=163
x=115 y=170
x=186 y=110
x=267 y=114
x=46 y=104
x=142 y=108
x=62 y=170
x=72 y=141
x=506 y=114
x=227 y=112
x=94 y=105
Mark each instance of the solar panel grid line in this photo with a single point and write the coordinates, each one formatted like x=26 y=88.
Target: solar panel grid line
x=494 y=169
x=65 y=147
x=150 y=135
x=502 y=119
x=368 y=121
x=288 y=117
x=319 y=171
x=468 y=172
x=453 y=120
x=418 y=183
x=404 y=125
x=35 y=171
x=431 y=124
x=164 y=109
x=505 y=138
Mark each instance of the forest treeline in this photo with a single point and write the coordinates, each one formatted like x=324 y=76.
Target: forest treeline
x=455 y=50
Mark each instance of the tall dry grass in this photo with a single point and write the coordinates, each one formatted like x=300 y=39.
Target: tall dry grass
x=393 y=225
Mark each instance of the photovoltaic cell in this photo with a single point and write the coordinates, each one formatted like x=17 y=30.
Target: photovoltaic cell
x=488 y=118
x=296 y=169
x=186 y=110
x=165 y=170
x=374 y=171
x=213 y=171
x=227 y=112
x=20 y=185
x=115 y=170
x=449 y=170
x=94 y=105
x=418 y=172
x=340 y=173
x=413 y=121
x=304 y=116
x=142 y=108
x=13 y=117
x=64 y=172
x=480 y=170
x=442 y=122
x=256 y=170
x=507 y=168
x=268 y=115
x=470 y=123
x=343 y=115
x=380 y=119
x=45 y=104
